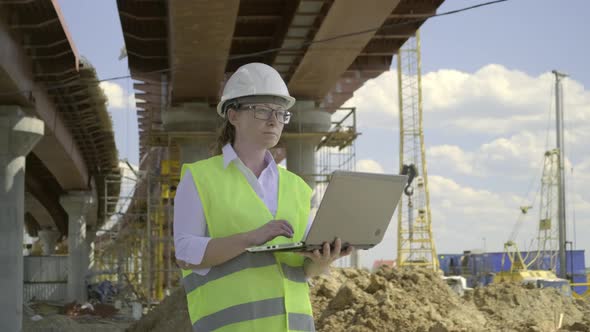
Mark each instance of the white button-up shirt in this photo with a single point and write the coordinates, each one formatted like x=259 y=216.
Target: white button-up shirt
x=190 y=227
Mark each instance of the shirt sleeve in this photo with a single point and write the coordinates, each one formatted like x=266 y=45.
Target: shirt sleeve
x=190 y=226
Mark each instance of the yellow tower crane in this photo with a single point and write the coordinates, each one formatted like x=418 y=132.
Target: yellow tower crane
x=415 y=245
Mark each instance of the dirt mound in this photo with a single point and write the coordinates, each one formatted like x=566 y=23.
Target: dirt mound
x=419 y=300
x=410 y=300
x=390 y=300
x=515 y=307
x=169 y=316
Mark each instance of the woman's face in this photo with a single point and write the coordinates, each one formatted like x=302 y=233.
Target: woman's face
x=252 y=127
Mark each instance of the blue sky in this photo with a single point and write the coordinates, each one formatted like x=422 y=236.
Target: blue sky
x=533 y=36
x=487 y=101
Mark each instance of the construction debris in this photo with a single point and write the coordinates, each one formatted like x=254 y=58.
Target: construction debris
x=99 y=309
x=410 y=300
x=49 y=316
x=103 y=291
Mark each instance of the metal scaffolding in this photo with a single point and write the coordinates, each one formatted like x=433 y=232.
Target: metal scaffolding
x=548 y=236
x=336 y=151
x=415 y=245
x=135 y=247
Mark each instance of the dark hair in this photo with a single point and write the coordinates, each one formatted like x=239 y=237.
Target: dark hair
x=225 y=134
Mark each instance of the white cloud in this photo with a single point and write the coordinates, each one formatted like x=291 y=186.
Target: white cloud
x=490 y=131
x=445 y=95
x=490 y=83
x=116 y=96
x=463 y=216
x=494 y=100
x=517 y=156
x=450 y=157
x=376 y=102
x=369 y=166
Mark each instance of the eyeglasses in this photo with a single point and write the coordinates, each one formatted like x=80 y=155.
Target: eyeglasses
x=262 y=112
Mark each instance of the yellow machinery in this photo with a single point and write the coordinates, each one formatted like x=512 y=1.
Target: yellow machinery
x=544 y=259
x=519 y=265
x=519 y=271
x=415 y=245
x=586 y=294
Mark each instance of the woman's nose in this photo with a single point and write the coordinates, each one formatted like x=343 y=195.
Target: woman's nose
x=273 y=120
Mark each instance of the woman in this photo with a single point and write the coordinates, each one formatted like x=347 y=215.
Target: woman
x=239 y=199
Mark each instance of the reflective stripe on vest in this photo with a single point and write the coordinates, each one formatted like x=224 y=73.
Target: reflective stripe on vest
x=293 y=273
x=301 y=322
x=251 y=311
x=243 y=261
x=252 y=292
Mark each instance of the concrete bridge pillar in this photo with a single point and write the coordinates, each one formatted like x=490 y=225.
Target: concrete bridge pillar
x=18 y=136
x=302 y=135
x=193 y=126
x=77 y=204
x=48 y=238
x=192 y=150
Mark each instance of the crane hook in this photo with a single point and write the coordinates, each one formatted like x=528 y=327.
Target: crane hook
x=411 y=172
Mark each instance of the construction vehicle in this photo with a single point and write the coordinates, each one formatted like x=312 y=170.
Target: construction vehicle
x=458 y=284
x=551 y=238
x=519 y=271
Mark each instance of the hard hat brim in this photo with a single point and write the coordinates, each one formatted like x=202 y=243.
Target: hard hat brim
x=290 y=101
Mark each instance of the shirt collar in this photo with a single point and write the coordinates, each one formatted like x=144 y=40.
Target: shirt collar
x=229 y=155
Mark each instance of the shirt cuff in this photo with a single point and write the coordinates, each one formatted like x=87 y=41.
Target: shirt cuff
x=194 y=251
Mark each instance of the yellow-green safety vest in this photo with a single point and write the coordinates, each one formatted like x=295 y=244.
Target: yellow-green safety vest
x=252 y=292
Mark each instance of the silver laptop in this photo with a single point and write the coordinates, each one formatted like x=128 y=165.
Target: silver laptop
x=356 y=207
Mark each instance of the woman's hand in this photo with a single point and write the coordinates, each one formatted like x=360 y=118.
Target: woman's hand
x=269 y=231
x=320 y=262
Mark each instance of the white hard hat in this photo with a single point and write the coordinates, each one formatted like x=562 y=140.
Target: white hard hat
x=255 y=80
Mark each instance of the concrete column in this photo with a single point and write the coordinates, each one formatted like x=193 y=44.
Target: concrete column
x=18 y=135
x=91 y=227
x=88 y=251
x=77 y=204
x=301 y=157
x=194 y=150
x=302 y=135
x=48 y=238
x=194 y=127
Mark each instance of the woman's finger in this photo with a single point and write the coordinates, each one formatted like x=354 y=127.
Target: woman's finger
x=347 y=252
x=316 y=254
x=285 y=230
x=337 y=248
x=287 y=224
x=326 y=251
x=290 y=226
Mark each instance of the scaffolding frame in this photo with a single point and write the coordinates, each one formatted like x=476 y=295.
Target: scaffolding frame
x=548 y=233
x=337 y=151
x=415 y=243
x=138 y=250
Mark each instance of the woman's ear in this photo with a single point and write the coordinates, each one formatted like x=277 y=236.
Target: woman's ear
x=232 y=116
